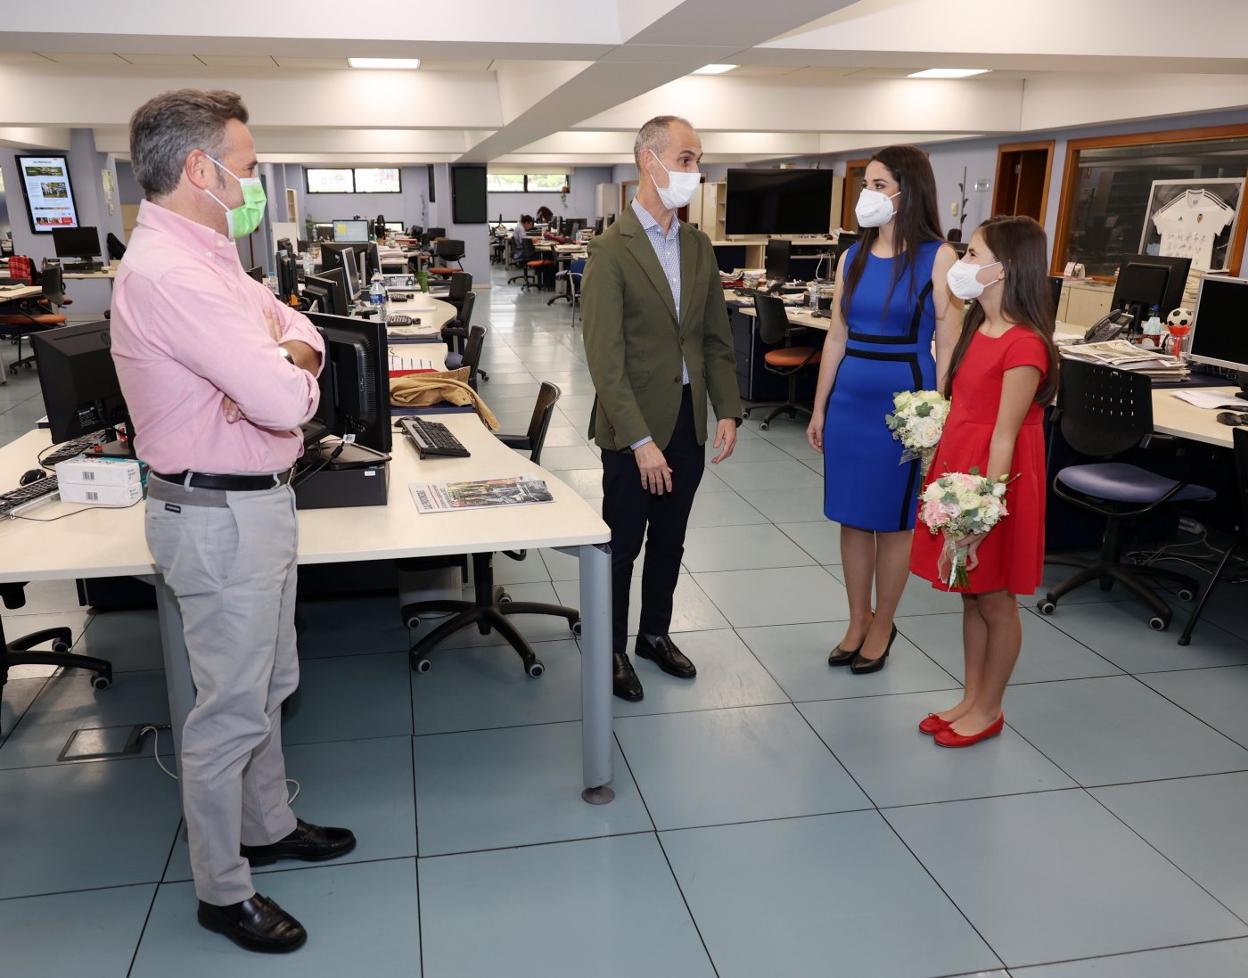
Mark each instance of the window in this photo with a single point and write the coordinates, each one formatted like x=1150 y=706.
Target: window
x=360 y=180
x=533 y=183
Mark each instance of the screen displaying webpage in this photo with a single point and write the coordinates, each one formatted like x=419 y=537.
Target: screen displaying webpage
x=49 y=197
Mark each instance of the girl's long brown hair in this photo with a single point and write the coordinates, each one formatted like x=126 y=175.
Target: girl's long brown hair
x=918 y=218
x=1020 y=245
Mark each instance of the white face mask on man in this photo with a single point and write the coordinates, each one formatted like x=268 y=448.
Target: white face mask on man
x=681 y=185
x=963 y=279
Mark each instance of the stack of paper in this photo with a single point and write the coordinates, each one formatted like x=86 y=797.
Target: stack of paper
x=1212 y=400
x=451 y=496
x=1127 y=356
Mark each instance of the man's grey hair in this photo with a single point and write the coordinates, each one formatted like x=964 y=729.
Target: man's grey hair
x=653 y=135
x=165 y=129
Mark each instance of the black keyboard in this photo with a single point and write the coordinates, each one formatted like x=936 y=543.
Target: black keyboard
x=83 y=266
x=432 y=439
x=71 y=449
x=401 y=321
x=15 y=498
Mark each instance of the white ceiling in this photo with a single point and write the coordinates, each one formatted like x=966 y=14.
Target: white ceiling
x=505 y=81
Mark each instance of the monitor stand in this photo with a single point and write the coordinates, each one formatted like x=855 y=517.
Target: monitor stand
x=118 y=447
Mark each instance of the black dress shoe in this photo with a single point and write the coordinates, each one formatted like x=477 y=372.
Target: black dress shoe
x=311 y=843
x=664 y=654
x=257 y=924
x=842 y=657
x=624 y=681
x=861 y=666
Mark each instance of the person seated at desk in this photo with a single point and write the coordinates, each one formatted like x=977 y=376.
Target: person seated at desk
x=545 y=215
x=523 y=227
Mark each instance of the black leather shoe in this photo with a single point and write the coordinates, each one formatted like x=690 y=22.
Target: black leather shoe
x=861 y=666
x=257 y=924
x=311 y=843
x=664 y=654
x=842 y=657
x=624 y=682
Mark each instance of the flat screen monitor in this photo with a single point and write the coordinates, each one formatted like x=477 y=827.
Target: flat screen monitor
x=776 y=259
x=48 y=191
x=330 y=289
x=1220 y=331
x=1138 y=286
x=844 y=241
x=435 y=233
x=394 y=227
x=469 y=200
x=285 y=244
x=256 y=272
x=357 y=359
x=83 y=242
x=81 y=392
x=351 y=230
x=287 y=275
x=324 y=232
x=598 y=226
x=345 y=255
x=1055 y=285
x=779 y=202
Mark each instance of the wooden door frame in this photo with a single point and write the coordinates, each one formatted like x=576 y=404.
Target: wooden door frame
x=1070 y=179
x=624 y=195
x=847 y=205
x=1046 y=144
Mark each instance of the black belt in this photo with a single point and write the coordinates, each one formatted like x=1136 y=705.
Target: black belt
x=227 y=483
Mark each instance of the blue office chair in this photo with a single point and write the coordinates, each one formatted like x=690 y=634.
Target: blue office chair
x=572 y=275
x=1104 y=413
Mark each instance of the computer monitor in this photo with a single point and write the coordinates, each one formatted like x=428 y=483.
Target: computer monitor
x=437 y=232
x=844 y=241
x=80 y=242
x=1055 y=284
x=341 y=254
x=285 y=244
x=780 y=201
x=324 y=232
x=598 y=226
x=330 y=291
x=287 y=275
x=358 y=361
x=1220 y=331
x=256 y=272
x=372 y=258
x=776 y=259
x=1141 y=286
x=394 y=227
x=81 y=393
x=351 y=231
x=572 y=226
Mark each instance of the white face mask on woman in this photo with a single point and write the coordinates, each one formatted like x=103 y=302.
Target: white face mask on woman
x=963 y=279
x=874 y=209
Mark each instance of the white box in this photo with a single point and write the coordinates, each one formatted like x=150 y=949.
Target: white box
x=98 y=495
x=96 y=471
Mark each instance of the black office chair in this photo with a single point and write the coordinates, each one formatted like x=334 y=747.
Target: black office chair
x=116 y=249
x=448 y=250
x=436 y=233
x=19 y=652
x=415 y=231
x=36 y=315
x=520 y=257
x=461 y=285
x=786 y=360
x=1238 y=543
x=1104 y=413
x=492 y=605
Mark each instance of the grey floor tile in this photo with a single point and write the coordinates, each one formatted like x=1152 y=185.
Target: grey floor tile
x=819 y=896
x=1220 y=959
x=573 y=457
x=349 y=698
x=105 y=927
x=741 y=547
x=1217 y=696
x=749 y=450
x=775 y=597
x=788 y=505
x=1053 y=876
x=1047 y=652
x=733 y=766
x=821 y=540
x=46 y=597
x=535 y=628
x=1054 y=574
x=692 y=609
x=722 y=509
x=1197 y=823
x=1227 y=607
x=785 y=473
x=363 y=785
x=587 y=483
x=514 y=787
x=81 y=826
x=878 y=740
x=130 y=640
x=360 y=921
x=606 y=906
x=1105 y=731
x=19 y=625
x=797 y=656
x=15 y=699
x=344 y=626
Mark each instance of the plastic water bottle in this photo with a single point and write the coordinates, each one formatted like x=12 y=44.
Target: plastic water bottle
x=377 y=294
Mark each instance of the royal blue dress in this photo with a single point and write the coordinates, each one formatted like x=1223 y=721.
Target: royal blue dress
x=889 y=349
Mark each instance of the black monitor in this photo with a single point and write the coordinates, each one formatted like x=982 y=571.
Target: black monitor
x=328 y=290
x=844 y=241
x=572 y=226
x=345 y=255
x=778 y=201
x=1055 y=285
x=372 y=258
x=285 y=244
x=358 y=361
x=437 y=232
x=1145 y=281
x=81 y=392
x=256 y=272
x=598 y=226
x=1220 y=332
x=80 y=242
x=776 y=259
x=324 y=232
x=287 y=275
x=959 y=247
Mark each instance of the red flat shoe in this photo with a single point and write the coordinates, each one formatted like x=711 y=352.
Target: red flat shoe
x=949 y=738
x=933 y=723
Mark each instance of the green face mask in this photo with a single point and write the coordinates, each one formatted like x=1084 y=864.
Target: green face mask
x=245 y=218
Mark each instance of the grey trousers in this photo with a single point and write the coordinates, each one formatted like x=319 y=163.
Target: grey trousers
x=229 y=558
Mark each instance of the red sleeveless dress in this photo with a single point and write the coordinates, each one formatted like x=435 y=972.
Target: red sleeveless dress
x=1011 y=556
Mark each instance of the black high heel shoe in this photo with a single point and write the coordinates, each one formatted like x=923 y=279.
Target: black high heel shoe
x=861 y=666
x=843 y=657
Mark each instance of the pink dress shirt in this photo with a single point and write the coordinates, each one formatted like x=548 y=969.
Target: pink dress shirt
x=188 y=330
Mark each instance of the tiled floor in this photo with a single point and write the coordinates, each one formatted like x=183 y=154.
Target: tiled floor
x=773 y=817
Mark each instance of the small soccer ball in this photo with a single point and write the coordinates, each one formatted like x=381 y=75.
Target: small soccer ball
x=1180 y=317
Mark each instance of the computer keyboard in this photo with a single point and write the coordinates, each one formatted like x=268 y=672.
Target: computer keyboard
x=71 y=449
x=83 y=266
x=401 y=320
x=432 y=439
x=22 y=496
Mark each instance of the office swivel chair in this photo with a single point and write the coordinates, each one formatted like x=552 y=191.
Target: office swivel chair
x=117 y=250
x=19 y=652
x=460 y=286
x=457 y=334
x=786 y=360
x=524 y=252
x=36 y=315
x=1103 y=413
x=574 y=273
x=492 y=605
x=448 y=250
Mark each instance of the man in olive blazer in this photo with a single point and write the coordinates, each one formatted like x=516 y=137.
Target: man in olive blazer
x=658 y=343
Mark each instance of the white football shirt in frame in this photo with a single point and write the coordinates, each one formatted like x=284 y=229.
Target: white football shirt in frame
x=1190 y=223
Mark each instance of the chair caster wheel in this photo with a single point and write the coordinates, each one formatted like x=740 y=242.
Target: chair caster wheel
x=1158 y=624
x=413 y=623
x=764 y=426
x=535 y=669
x=101 y=682
x=59 y=647
x=1047 y=607
x=1186 y=594
x=422 y=664
x=576 y=628
x=504 y=598
x=745 y=415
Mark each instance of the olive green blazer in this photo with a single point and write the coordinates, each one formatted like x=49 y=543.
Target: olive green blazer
x=634 y=341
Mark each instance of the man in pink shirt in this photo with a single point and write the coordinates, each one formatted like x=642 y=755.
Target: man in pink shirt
x=218 y=376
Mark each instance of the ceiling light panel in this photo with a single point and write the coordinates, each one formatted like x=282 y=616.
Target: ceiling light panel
x=948 y=72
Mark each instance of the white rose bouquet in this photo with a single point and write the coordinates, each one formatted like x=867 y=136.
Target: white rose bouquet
x=960 y=505
x=917 y=420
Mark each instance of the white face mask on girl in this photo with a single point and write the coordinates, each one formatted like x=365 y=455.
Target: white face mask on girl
x=874 y=209
x=963 y=279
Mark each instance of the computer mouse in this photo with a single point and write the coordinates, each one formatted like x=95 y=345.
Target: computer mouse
x=31 y=475
x=1232 y=418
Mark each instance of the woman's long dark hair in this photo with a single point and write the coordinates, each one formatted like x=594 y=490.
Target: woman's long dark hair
x=917 y=221
x=1020 y=245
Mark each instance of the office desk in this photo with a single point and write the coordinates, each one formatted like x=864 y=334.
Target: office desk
x=108 y=272
x=1182 y=420
x=111 y=543
x=442 y=314
x=19 y=293
x=797 y=315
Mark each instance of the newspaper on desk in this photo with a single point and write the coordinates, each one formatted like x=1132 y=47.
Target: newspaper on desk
x=1125 y=356
x=431 y=497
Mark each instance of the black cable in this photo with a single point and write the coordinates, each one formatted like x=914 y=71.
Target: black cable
x=309 y=473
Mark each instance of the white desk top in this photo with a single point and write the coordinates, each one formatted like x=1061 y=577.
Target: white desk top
x=108 y=272
x=21 y=292
x=110 y=542
x=441 y=314
x=798 y=316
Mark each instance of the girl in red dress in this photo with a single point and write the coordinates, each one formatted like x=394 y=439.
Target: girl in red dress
x=1003 y=371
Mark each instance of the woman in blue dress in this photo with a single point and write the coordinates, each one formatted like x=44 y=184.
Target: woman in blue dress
x=891 y=297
